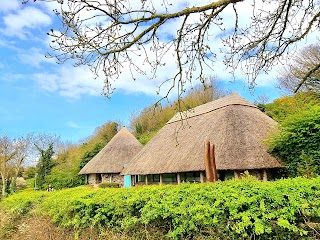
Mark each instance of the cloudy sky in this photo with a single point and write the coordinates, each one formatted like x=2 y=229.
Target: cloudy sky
x=38 y=95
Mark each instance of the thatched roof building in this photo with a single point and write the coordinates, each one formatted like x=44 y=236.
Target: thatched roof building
x=112 y=158
x=235 y=126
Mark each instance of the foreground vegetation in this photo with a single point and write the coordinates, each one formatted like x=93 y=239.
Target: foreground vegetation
x=234 y=209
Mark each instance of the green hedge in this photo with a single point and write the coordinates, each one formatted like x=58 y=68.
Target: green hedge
x=234 y=209
x=109 y=185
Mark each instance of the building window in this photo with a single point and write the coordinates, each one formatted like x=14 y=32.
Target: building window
x=142 y=178
x=99 y=177
x=154 y=178
x=225 y=175
x=190 y=176
x=169 y=178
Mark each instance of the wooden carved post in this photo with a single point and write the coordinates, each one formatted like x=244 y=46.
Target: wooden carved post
x=213 y=163
x=209 y=174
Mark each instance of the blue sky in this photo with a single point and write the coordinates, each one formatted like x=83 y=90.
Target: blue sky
x=38 y=95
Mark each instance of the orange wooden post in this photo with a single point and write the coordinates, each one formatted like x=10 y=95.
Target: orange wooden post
x=213 y=163
x=209 y=174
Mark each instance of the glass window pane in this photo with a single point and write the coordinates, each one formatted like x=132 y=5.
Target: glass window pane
x=156 y=178
x=190 y=177
x=142 y=178
x=169 y=177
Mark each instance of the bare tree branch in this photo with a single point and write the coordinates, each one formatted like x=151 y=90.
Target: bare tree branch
x=306 y=77
x=303 y=72
x=109 y=37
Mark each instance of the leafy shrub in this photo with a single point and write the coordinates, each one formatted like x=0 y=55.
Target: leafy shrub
x=59 y=179
x=298 y=142
x=234 y=209
x=109 y=185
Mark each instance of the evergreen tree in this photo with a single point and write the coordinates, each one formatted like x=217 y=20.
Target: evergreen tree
x=45 y=164
x=88 y=155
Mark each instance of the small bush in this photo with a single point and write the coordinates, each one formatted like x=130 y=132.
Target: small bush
x=109 y=185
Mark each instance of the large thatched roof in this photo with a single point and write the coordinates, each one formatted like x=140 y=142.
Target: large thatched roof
x=234 y=125
x=111 y=159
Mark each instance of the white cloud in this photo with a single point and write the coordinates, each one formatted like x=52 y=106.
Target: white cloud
x=17 y=24
x=11 y=77
x=34 y=57
x=9 y=5
x=72 y=124
x=48 y=82
x=8 y=44
x=70 y=82
x=73 y=82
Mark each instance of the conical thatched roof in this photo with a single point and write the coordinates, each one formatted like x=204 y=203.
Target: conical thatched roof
x=111 y=159
x=234 y=125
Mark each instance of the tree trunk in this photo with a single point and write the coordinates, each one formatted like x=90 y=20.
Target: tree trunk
x=3 y=193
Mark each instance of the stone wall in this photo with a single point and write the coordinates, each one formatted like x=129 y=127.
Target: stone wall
x=112 y=177
x=92 y=179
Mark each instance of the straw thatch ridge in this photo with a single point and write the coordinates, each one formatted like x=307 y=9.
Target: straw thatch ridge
x=112 y=158
x=234 y=125
x=232 y=99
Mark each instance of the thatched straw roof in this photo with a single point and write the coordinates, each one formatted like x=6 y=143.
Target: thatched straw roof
x=111 y=159
x=234 y=125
